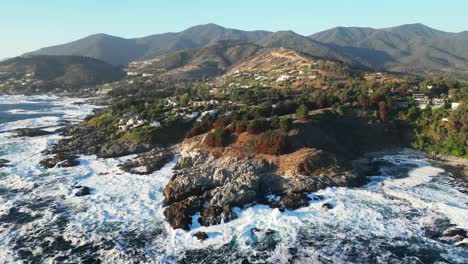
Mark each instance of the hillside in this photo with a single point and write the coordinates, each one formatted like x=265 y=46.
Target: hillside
x=406 y=48
x=204 y=62
x=236 y=60
x=44 y=73
x=120 y=51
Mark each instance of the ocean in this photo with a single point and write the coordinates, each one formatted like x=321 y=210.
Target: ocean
x=396 y=218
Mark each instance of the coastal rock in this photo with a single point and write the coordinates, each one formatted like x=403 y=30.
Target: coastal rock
x=454 y=231
x=119 y=149
x=463 y=245
x=214 y=215
x=4 y=163
x=201 y=236
x=60 y=161
x=81 y=190
x=179 y=214
x=30 y=132
x=223 y=183
x=327 y=206
x=151 y=161
x=293 y=201
x=79 y=140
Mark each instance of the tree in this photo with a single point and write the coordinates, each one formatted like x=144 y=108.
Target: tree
x=302 y=113
x=383 y=111
x=218 y=138
x=285 y=124
x=274 y=143
x=363 y=101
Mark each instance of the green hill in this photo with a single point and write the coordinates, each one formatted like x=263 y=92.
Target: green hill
x=45 y=73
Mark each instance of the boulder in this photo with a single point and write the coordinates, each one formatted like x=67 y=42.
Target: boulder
x=61 y=161
x=454 y=231
x=214 y=215
x=201 y=235
x=81 y=190
x=327 y=206
x=179 y=214
x=152 y=161
x=293 y=201
x=4 y=163
x=463 y=245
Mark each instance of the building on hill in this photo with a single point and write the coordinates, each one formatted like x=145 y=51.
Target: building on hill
x=454 y=105
x=437 y=102
x=132 y=73
x=283 y=78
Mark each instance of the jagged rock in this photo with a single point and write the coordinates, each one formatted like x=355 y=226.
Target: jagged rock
x=292 y=201
x=61 y=161
x=80 y=140
x=81 y=190
x=327 y=206
x=213 y=215
x=4 y=163
x=179 y=214
x=454 y=231
x=119 y=149
x=255 y=230
x=31 y=132
x=226 y=182
x=201 y=235
x=463 y=245
x=152 y=161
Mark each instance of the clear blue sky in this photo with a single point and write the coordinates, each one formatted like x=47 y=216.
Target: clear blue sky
x=27 y=25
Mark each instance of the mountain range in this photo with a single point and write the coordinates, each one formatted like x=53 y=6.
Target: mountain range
x=414 y=48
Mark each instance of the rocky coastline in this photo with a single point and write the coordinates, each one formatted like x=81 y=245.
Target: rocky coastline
x=212 y=185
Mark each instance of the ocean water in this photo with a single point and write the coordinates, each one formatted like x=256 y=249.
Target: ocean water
x=393 y=219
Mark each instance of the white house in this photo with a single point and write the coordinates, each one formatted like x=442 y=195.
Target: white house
x=155 y=124
x=283 y=78
x=455 y=105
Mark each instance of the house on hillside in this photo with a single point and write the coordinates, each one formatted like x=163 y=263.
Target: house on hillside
x=172 y=102
x=283 y=78
x=454 y=105
x=437 y=102
x=421 y=100
x=132 y=73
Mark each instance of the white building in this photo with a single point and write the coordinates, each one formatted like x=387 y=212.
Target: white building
x=455 y=105
x=283 y=78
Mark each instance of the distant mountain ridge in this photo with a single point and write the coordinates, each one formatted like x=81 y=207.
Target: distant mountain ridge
x=413 y=48
x=120 y=51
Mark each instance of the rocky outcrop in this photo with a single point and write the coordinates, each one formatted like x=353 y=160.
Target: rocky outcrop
x=213 y=186
x=79 y=190
x=61 y=160
x=30 y=132
x=89 y=141
x=179 y=214
x=119 y=149
x=201 y=235
x=4 y=163
x=148 y=162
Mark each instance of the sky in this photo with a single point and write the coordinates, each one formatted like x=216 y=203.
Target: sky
x=27 y=25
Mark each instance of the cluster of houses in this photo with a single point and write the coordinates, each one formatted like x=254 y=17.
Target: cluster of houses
x=422 y=101
x=135 y=122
